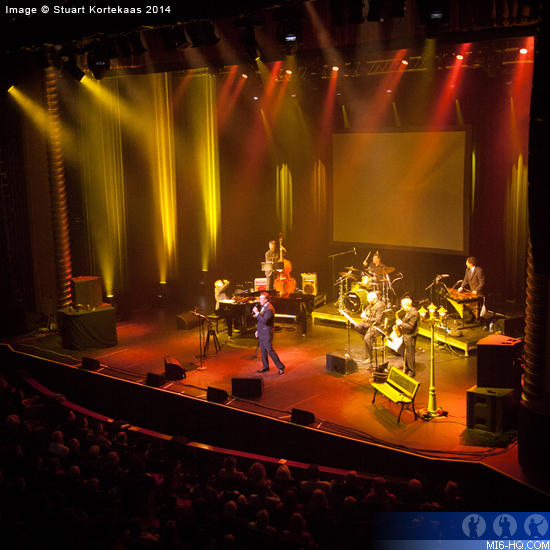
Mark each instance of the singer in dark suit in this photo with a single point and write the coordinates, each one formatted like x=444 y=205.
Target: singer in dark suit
x=265 y=319
x=474 y=277
x=409 y=329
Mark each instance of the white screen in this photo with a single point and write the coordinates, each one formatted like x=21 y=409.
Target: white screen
x=400 y=189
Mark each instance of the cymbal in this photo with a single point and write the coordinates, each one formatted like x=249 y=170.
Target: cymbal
x=351 y=269
x=386 y=270
x=347 y=275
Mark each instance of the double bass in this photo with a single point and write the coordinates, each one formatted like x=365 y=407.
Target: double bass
x=284 y=283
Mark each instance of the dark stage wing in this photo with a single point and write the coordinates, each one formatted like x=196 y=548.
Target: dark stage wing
x=402 y=189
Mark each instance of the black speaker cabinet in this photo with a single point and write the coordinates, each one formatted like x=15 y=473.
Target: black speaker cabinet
x=86 y=291
x=491 y=409
x=341 y=365
x=499 y=362
x=173 y=369
x=187 y=320
x=155 y=380
x=304 y=418
x=216 y=395
x=246 y=387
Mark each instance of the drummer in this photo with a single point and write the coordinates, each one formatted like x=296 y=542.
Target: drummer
x=375 y=266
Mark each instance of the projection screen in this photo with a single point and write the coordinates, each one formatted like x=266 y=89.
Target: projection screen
x=405 y=189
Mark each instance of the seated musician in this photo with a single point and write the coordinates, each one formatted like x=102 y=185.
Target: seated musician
x=376 y=265
x=219 y=291
x=474 y=278
x=372 y=317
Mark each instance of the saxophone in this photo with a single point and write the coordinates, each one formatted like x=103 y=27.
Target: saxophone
x=396 y=328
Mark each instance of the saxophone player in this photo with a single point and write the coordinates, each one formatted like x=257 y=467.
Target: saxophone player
x=409 y=328
x=372 y=316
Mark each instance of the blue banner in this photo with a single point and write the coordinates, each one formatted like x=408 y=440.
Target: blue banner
x=487 y=530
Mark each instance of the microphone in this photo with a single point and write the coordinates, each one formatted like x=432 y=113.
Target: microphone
x=354 y=251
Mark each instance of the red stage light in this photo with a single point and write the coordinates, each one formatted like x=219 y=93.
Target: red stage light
x=288 y=71
x=459 y=56
x=335 y=68
x=404 y=61
x=523 y=51
x=244 y=75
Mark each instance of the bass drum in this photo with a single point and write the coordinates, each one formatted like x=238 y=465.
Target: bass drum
x=356 y=300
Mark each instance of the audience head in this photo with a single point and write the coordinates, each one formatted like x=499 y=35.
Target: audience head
x=283 y=473
x=296 y=523
x=379 y=485
x=230 y=509
x=57 y=437
x=318 y=499
x=229 y=463
x=313 y=472
x=256 y=472
x=262 y=517
x=351 y=478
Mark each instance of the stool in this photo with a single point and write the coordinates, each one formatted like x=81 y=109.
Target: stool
x=215 y=318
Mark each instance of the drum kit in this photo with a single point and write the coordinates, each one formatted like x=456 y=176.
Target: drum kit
x=356 y=284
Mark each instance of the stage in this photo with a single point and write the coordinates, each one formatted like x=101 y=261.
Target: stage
x=341 y=404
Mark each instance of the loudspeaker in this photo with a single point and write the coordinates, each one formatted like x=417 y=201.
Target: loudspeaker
x=86 y=290
x=90 y=364
x=188 y=320
x=216 y=395
x=246 y=387
x=309 y=283
x=173 y=369
x=155 y=380
x=511 y=326
x=499 y=362
x=304 y=418
x=491 y=409
x=340 y=364
x=260 y=284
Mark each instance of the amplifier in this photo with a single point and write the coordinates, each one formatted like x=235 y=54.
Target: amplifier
x=260 y=284
x=309 y=283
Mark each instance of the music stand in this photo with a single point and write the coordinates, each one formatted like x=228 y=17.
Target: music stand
x=350 y=320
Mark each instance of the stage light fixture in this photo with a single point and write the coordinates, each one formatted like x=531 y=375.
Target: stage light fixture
x=179 y=37
x=374 y=14
x=404 y=62
x=209 y=33
x=72 y=69
x=109 y=47
x=98 y=63
x=335 y=69
x=137 y=45
x=40 y=59
x=248 y=40
x=523 y=51
x=289 y=31
x=123 y=45
x=195 y=34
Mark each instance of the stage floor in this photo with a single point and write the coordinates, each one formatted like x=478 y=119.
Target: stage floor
x=341 y=402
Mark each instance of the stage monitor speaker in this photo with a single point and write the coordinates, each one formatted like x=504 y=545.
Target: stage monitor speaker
x=216 y=395
x=173 y=369
x=511 y=326
x=90 y=364
x=341 y=365
x=155 y=380
x=260 y=284
x=492 y=409
x=187 y=320
x=499 y=362
x=309 y=283
x=304 y=418
x=246 y=387
x=86 y=291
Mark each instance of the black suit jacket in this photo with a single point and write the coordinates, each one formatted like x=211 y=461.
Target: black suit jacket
x=409 y=326
x=265 y=320
x=475 y=280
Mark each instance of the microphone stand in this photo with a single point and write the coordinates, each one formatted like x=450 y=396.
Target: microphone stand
x=201 y=355
x=332 y=258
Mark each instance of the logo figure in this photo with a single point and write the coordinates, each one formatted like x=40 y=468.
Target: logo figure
x=505 y=526
x=473 y=526
x=536 y=526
